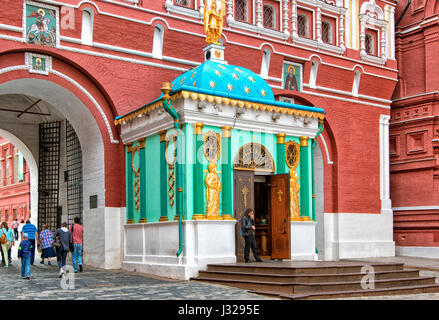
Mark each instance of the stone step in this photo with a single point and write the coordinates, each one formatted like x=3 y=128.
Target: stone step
x=305 y=278
x=432 y=288
x=322 y=269
x=297 y=288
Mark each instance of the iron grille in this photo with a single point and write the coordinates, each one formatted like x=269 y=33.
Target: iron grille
x=241 y=10
x=185 y=3
x=302 y=26
x=368 y=41
x=74 y=174
x=268 y=17
x=326 y=32
x=48 y=179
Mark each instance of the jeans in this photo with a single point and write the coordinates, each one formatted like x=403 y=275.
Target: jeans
x=32 y=251
x=25 y=267
x=61 y=256
x=250 y=243
x=77 y=256
x=16 y=234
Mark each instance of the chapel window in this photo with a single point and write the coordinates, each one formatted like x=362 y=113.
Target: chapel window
x=326 y=32
x=369 y=44
x=87 y=27
x=302 y=25
x=269 y=16
x=241 y=10
x=183 y=3
x=7 y=167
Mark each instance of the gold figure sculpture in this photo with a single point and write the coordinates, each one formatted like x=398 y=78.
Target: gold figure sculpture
x=294 y=196
x=213 y=189
x=292 y=158
x=213 y=22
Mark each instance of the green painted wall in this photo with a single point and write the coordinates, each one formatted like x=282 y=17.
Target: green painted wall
x=152 y=182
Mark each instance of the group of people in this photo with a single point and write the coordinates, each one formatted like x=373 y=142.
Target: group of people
x=59 y=245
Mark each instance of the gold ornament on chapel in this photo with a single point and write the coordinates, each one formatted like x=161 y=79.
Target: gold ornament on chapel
x=213 y=21
x=292 y=157
x=212 y=182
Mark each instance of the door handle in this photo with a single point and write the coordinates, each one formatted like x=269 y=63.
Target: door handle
x=283 y=226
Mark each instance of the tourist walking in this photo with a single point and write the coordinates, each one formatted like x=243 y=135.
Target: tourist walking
x=248 y=232
x=15 y=226
x=7 y=241
x=77 y=234
x=25 y=253
x=46 y=243
x=63 y=237
x=32 y=233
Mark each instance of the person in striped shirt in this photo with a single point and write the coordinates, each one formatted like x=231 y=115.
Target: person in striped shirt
x=32 y=232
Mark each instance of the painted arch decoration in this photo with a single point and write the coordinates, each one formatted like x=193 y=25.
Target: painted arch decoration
x=254 y=157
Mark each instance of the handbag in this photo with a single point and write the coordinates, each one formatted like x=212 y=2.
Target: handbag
x=3 y=239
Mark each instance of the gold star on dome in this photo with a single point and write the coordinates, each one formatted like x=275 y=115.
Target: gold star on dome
x=247 y=90
x=251 y=79
x=212 y=84
x=230 y=87
x=172 y=84
x=222 y=67
x=194 y=84
x=182 y=80
x=193 y=75
x=237 y=69
x=263 y=93
x=218 y=73
x=235 y=76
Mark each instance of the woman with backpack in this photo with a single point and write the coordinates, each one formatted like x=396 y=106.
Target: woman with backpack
x=7 y=241
x=248 y=232
x=63 y=238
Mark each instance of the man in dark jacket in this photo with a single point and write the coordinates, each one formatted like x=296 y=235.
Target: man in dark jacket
x=24 y=252
x=247 y=231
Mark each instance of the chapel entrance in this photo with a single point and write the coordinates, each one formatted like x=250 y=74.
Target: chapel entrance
x=256 y=186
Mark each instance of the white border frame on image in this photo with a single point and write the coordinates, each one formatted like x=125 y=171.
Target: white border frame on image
x=301 y=74
x=28 y=62
x=45 y=6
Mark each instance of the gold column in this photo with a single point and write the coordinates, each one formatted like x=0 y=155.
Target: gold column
x=304 y=141
x=198 y=174
x=226 y=167
x=162 y=135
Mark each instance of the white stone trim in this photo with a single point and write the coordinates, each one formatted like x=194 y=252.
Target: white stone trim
x=92 y=99
x=326 y=150
x=386 y=203
x=420 y=252
x=415 y=208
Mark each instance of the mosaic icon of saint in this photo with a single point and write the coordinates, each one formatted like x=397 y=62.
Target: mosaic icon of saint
x=290 y=82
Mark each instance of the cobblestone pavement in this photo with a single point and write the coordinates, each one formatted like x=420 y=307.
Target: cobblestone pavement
x=97 y=284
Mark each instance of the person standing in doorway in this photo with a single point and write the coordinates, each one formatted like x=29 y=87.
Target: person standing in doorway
x=63 y=237
x=46 y=240
x=32 y=232
x=24 y=252
x=77 y=234
x=248 y=232
x=15 y=225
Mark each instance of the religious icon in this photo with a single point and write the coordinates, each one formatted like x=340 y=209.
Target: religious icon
x=213 y=21
x=292 y=77
x=38 y=65
x=213 y=189
x=41 y=26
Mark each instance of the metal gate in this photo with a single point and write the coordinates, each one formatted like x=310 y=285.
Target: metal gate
x=48 y=179
x=74 y=174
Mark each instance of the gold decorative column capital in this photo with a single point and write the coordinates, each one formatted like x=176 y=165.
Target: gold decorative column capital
x=304 y=141
x=198 y=127
x=162 y=135
x=226 y=131
x=281 y=138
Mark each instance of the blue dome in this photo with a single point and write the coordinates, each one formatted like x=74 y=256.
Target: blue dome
x=225 y=80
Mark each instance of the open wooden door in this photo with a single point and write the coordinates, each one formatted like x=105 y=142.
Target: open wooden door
x=280 y=217
x=243 y=198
